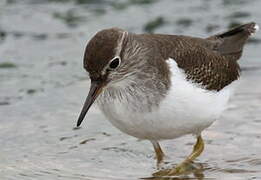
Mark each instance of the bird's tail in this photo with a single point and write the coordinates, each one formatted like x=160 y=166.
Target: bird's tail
x=230 y=44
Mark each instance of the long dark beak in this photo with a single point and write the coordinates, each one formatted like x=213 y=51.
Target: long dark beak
x=95 y=90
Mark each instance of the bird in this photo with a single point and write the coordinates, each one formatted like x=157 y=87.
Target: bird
x=158 y=86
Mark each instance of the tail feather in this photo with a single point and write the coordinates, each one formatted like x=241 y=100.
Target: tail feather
x=230 y=43
x=247 y=29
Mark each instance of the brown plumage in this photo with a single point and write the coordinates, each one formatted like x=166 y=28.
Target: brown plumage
x=100 y=50
x=210 y=62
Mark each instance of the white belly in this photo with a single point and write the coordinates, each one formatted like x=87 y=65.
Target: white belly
x=186 y=109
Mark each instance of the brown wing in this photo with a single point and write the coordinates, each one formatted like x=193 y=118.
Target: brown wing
x=211 y=62
x=207 y=68
x=196 y=57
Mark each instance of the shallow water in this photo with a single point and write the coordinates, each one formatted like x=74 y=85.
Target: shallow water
x=43 y=86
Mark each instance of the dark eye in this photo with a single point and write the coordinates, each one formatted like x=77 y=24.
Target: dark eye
x=114 y=63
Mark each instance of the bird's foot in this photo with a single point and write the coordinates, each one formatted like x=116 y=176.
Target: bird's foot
x=185 y=168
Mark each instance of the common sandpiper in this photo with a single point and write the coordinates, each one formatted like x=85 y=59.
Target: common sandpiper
x=157 y=86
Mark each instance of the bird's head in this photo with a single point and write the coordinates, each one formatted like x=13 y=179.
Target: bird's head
x=104 y=62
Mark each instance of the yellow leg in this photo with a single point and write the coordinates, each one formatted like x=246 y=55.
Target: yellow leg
x=197 y=149
x=186 y=166
x=158 y=151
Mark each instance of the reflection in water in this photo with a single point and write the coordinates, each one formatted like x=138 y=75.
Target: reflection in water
x=192 y=168
x=187 y=169
x=187 y=166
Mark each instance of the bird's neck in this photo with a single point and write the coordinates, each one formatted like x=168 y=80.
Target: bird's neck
x=139 y=92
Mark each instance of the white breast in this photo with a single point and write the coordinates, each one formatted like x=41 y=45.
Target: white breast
x=186 y=109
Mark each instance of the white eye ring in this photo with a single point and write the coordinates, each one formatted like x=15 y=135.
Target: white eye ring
x=114 y=63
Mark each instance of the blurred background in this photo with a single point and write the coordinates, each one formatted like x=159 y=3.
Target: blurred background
x=43 y=87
